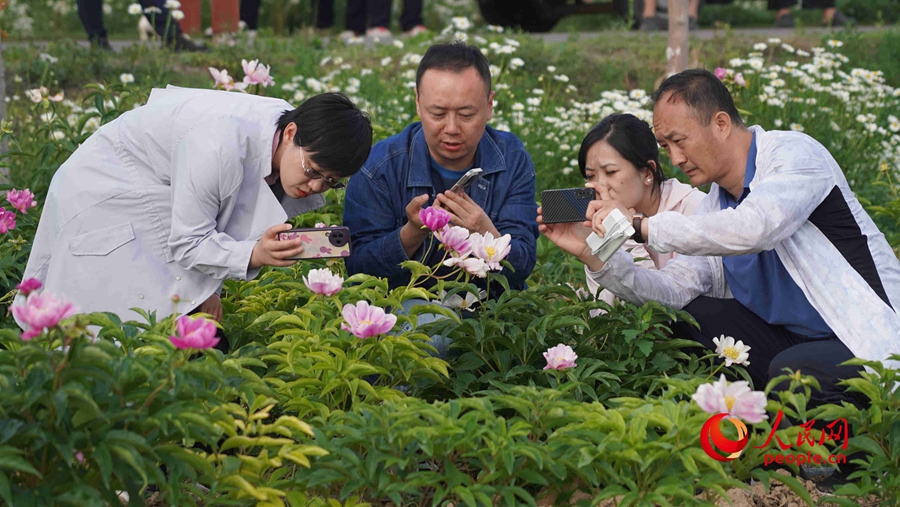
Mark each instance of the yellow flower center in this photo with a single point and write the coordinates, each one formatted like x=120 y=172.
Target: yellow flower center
x=729 y=401
x=490 y=251
x=365 y=323
x=732 y=353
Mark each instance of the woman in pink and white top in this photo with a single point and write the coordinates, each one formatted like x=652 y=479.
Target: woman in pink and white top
x=619 y=159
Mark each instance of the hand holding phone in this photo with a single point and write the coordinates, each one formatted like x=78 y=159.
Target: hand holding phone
x=320 y=242
x=467 y=179
x=565 y=205
x=270 y=251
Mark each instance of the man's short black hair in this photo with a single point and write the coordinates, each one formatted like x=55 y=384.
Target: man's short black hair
x=702 y=92
x=336 y=133
x=455 y=56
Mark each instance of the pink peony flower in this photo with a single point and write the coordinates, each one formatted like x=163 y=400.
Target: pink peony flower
x=560 y=357
x=720 y=73
x=474 y=266
x=198 y=333
x=323 y=281
x=365 y=321
x=29 y=285
x=434 y=218
x=491 y=250
x=7 y=221
x=257 y=73
x=42 y=311
x=21 y=199
x=739 y=79
x=456 y=240
x=736 y=399
x=223 y=80
x=31 y=333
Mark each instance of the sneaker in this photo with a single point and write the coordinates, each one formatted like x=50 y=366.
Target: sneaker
x=182 y=43
x=416 y=30
x=653 y=24
x=816 y=473
x=379 y=32
x=101 y=43
x=786 y=21
x=827 y=484
x=839 y=19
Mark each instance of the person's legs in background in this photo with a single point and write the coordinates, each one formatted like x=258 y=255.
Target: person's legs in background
x=411 y=20
x=91 y=14
x=651 y=22
x=250 y=15
x=830 y=15
x=325 y=16
x=356 y=17
x=379 y=18
x=783 y=16
x=693 y=14
x=167 y=28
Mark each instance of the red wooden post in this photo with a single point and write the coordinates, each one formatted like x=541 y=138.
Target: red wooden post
x=225 y=15
x=191 y=22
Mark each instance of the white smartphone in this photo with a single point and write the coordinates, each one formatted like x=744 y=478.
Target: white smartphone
x=466 y=181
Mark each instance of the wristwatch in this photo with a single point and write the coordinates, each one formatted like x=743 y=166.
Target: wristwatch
x=636 y=223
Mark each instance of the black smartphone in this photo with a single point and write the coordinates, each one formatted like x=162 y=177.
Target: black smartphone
x=467 y=179
x=565 y=204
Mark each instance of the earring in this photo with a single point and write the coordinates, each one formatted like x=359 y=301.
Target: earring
x=649 y=180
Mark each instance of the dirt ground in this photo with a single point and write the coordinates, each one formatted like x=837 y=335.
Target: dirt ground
x=778 y=496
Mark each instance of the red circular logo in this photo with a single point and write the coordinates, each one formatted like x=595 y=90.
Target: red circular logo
x=711 y=438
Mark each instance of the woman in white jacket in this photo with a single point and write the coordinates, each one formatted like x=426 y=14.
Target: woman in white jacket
x=619 y=158
x=186 y=191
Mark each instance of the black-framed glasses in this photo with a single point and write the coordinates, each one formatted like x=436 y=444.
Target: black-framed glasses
x=316 y=175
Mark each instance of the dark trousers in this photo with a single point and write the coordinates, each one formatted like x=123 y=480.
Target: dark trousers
x=325 y=16
x=807 y=4
x=379 y=14
x=412 y=15
x=773 y=348
x=250 y=13
x=91 y=14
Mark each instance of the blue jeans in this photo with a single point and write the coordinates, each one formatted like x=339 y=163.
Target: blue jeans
x=441 y=343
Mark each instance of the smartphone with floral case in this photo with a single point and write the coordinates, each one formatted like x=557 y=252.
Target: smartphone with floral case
x=321 y=242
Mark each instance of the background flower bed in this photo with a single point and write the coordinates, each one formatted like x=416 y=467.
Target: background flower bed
x=303 y=411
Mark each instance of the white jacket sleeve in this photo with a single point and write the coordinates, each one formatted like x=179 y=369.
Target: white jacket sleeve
x=777 y=206
x=207 y=171
x=678 y=283
x=641 y=259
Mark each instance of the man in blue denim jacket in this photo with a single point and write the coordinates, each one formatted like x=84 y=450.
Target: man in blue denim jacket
x=418 y=166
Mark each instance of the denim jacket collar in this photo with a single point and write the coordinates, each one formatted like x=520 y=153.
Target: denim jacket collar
x=488 y=157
